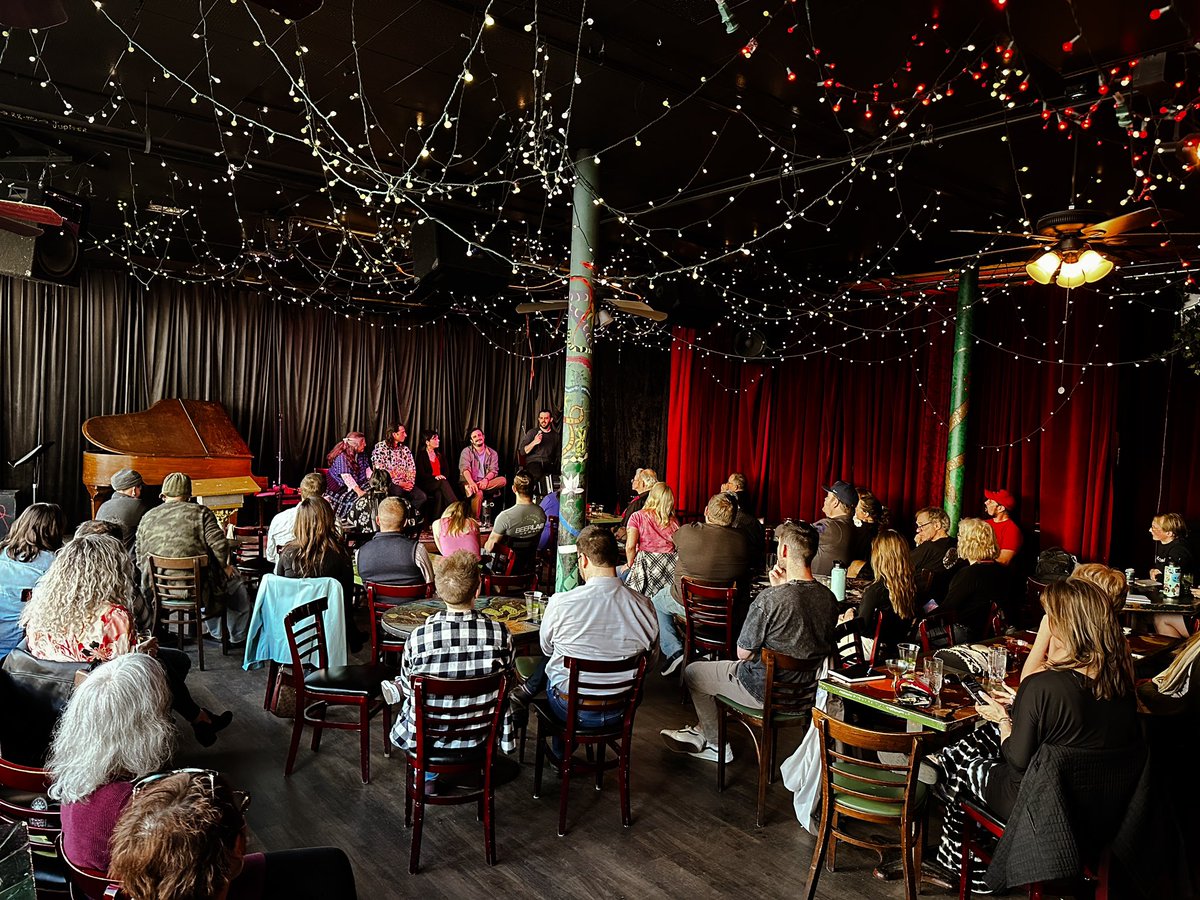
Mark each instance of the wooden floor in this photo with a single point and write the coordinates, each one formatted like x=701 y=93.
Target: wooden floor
x=686 y=840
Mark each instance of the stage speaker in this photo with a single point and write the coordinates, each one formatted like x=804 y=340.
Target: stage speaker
x=687 y=302
x=8 y=512
x=54 y=256
x=447 y=267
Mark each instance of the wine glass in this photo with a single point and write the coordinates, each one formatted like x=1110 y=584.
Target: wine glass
x=935 y=678
x=897 y=668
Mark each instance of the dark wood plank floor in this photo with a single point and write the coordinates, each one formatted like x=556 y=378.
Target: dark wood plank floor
x=686 y=840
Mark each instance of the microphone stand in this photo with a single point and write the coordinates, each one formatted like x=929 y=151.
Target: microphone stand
x=35 y=456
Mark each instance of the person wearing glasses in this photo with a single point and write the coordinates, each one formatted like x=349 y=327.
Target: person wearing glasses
x=935 y=558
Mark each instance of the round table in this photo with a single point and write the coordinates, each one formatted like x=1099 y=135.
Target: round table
x=400 y=620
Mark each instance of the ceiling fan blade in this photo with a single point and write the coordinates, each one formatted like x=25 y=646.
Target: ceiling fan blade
x=988 y=252
x=1146 y=236
x=1141 y=218
x=1020 y=234
x=637 y=308
x=24 y=229
x=546 y=307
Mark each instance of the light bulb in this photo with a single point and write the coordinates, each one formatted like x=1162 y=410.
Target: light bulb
x=1043 y=268
x=1094 y=265
x=1070 y=275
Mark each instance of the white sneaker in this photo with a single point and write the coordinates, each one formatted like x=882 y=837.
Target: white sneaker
x=391 y=692
x=686 y=740
x=709 y=753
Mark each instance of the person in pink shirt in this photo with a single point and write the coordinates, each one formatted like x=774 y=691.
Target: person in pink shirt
x=457 y=530
x=649 y=547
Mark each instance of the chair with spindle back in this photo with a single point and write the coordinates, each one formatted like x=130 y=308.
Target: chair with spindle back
x=178 y=592
x=356 y=686
x=787 y=703
x=381 y=598
x=248 y=545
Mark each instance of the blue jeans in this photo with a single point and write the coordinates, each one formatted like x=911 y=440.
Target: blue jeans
x=586 y=718
x=666 y=606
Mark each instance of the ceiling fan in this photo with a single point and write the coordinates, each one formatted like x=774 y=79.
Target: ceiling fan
x=619 y=304
x=1068 y=241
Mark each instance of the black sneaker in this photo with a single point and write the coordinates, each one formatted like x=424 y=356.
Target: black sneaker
x=672 y=663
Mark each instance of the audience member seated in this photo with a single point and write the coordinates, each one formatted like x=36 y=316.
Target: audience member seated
x=183 y=835
x=283 y=526
x=479 y=471
x=999 y=505
x=179 y=528
x=1084 y=699
x=431 y=475
x=643 y=480
x=892 y=593
x=935 y=558
x=349 y=470
x=744 y=520
x=796 y=616
x=456 y=530
x=709 y=551
x=1110 y=581
x=25 y=555
x=600 y=619
x=391 y=558
x=868 y=518
x=458 y=643
x=974 y=588
x=1169 y=531
x=79 y=612
x=364 y=511
x=125 y=506
x=520 y=526
x=836 y=529
x=649 y=548
x=393 y=455
x=318 y=551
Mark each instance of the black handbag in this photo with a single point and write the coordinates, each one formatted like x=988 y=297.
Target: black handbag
x=42 y=680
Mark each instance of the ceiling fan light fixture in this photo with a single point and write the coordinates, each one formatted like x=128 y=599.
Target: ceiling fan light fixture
x=1071 y=275
x=1043 y=268
x=1095 y=266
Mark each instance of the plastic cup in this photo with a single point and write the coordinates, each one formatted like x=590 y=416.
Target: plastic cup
x=909 y=653
x=533 y=605
x=998 y=665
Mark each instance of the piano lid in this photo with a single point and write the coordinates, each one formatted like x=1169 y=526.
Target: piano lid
x=173 y=427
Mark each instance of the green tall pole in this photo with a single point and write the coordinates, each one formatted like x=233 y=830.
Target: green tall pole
x=960 y=395
x=577 y=396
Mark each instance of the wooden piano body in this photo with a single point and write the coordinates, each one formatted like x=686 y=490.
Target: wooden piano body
x=191 y=436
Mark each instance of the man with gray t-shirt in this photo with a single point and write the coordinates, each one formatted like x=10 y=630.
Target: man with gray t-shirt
x=520 y=526
x=795 y=616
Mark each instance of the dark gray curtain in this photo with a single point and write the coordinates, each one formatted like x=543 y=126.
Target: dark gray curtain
x=114 y=346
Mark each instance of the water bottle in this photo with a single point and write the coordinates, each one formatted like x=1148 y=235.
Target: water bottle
x=837 y=582
x=1171 y=578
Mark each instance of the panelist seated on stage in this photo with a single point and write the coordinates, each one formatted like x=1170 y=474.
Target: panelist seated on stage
x=179 y=528
x=431 y=474
x=542 y=447
x=392 y=454
x=125 y=506
x=390 y=557
x=283 y=526
x=349 y=469
x=519 y=526
x=479 y=470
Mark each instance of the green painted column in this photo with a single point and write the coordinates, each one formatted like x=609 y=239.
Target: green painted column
x=960 y=395
x=577 y=396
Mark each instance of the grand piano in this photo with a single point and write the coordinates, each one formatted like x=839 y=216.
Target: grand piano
x=191 y=436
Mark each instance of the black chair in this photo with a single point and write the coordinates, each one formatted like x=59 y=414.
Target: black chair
x=618 y=690
x=356 y=686
x=437 y=720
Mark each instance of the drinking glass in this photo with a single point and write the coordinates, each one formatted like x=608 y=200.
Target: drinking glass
x=909 y=653
x=897 y=668
x=934 y=677
x=997 y=665
x=533 y=605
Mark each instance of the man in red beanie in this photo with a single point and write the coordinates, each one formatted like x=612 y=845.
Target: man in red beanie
x=1008 y=533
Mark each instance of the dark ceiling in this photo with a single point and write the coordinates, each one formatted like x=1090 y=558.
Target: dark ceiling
x=843 y=149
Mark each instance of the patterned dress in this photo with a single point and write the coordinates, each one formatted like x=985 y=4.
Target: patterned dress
x=399 y=463
x=108 y=636
x=340 y=497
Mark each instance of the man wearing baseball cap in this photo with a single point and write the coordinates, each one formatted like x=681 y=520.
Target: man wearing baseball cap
x=1008 y=533
x=177 y=529
x=836 y=529
x=125 y=506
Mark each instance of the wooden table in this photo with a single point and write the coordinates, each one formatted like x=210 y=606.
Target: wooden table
x=956 y=710
x=399 y=621
x=604 y=520
x=1185 y=606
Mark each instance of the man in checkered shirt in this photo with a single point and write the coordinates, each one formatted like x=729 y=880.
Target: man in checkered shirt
x=457 y=643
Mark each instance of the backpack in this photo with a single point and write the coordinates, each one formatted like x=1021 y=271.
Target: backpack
x=1055 y=564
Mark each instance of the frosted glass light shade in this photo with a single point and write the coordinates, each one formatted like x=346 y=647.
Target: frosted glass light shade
x=1043 y=268
x=1094 y=265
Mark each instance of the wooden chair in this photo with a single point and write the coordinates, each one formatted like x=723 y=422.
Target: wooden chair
x=356 y=686
x=249 y=546
x=509 y=585
x=996 y=623
x=875 y=792
x=503 y=560
x=618 y=690
x=936 y=630
x=24 y=798
x=548 y=558
x=177 y=587
x=787 y=704
x=848 y=645
x=708 y=628
x=459 y=710
x=381 y=598
x=86 y=884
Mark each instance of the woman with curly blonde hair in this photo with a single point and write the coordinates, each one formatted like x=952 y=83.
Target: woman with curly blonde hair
x=977 y=586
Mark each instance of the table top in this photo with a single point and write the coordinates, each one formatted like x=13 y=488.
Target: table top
x=956 y=707
x=1188 y=605
x=854 y=588
x=400 y=621
x=603 y=519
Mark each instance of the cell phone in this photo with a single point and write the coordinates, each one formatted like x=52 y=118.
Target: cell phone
x=974 y=688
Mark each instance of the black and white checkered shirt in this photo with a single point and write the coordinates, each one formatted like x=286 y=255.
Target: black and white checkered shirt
x=454 y=645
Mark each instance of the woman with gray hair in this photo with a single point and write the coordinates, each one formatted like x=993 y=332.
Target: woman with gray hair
x=80 y=612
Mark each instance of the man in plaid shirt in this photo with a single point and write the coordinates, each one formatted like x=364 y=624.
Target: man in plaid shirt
x=457 y=643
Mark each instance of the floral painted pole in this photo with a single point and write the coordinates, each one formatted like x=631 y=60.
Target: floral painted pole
x=577 y=396
x=960 y=395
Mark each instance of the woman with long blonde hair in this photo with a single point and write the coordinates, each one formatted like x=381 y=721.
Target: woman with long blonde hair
x=891 y=595
x=649 y=547
x=457 y=530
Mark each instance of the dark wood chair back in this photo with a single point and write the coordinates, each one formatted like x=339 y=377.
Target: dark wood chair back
x=509 y=585
x=381 y=598
x=24 y=798
x=936 y=630
x=89 y=884
x=177 y=591
x=602 y=696
x=306 y=639
x=248 y=543
x=709 y=624
x=847 y=641
x=997 y=625
x=784 y=696
x=503 y=560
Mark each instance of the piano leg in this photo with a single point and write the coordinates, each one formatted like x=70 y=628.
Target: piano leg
x=98 y=494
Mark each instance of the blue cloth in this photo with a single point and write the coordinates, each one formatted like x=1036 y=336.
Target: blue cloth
x=666 y=606
x=550 y=506
x=278 y=596
x=15 y=577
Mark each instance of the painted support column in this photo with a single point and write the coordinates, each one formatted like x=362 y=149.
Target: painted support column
x=577 y=396
x=960 y=395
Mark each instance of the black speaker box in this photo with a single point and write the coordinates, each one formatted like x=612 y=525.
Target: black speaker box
x=54 y=256
x=446 y=266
